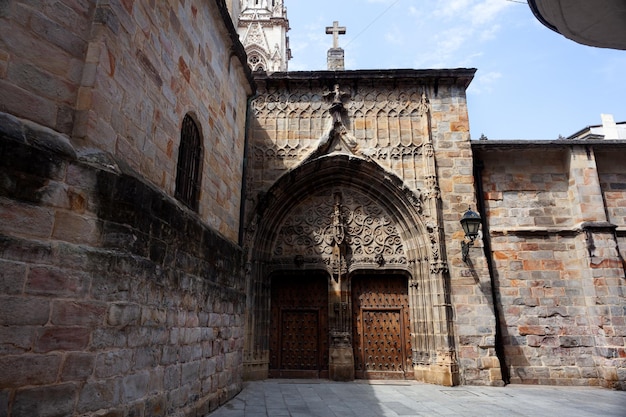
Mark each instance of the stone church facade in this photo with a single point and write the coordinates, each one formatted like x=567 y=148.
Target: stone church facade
x=312 y=230
x=344 y=186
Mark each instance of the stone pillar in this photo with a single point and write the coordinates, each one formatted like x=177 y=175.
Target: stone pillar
x=584 y=190
x=335 y=59
x=602 y=280
x=340 y=355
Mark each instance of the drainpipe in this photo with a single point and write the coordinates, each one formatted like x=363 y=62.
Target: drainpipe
x=244 y=171
x=499 y=343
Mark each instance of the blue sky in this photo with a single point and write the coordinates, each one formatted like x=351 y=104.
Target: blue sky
x=531 y=83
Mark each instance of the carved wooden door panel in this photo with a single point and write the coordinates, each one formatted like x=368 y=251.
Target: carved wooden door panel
x=299 y=335
x=382 y=344
x=299 y=326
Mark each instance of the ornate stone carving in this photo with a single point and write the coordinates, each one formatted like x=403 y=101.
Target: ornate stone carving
x=437 y=264
x=340 y=339
x=321 y=224
x=424 y=105
x=388 y=127
x=336 y=98
x=388 y=104
x=256 y=37
x=432 y=187
x=338 y=227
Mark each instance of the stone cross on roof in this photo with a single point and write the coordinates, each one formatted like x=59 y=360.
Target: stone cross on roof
x=335 y=30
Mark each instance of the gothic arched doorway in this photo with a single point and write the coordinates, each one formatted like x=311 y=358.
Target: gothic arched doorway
x=343 y=215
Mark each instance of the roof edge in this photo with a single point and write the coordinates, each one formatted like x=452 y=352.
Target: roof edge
x=464 y=76
x=537 y=144
x=237 y=48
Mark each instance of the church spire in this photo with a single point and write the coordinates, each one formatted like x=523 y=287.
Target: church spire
x=335 y=57
x=262 y=28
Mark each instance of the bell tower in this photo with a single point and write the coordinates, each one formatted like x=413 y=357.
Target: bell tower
x=262 y=28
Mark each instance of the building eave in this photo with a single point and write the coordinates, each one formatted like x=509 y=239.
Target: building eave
x=514 y=145
x=458 y=76
x=237 y=48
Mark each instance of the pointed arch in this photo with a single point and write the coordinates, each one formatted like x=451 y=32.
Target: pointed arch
x=338 y=171
x=257 y=58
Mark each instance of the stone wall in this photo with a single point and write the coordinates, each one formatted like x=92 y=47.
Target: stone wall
x=42 y=57
x=119 y=77
x=557 y=268
x=612 y=175
x=114 y=298
x=471 y=302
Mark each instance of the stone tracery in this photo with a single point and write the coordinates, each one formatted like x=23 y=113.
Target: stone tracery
x=312 y=232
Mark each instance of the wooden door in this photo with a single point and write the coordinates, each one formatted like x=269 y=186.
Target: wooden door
x=299 y=326
x=382 y=343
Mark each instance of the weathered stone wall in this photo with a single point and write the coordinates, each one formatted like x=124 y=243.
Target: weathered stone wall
x=42 y=57
x=114 y=298
x=120 y=76
x=384 y=119
x=612 y=173
x=470 y=294
x=558 y=273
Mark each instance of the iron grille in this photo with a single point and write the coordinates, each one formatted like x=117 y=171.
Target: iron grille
x=189 y=164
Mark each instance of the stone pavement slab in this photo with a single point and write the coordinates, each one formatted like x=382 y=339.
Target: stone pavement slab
x=322 y=398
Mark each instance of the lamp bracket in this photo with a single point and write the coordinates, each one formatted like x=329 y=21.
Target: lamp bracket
x=465 y=245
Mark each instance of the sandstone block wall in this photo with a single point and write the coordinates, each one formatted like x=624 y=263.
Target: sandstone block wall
x=612 y=176
x=119 y=77
x=113 y=298
x=42 y=58
x=558 y=270
x=473 y=319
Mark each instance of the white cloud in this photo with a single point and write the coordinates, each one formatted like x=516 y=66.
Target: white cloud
x=485 y=83
x=490 y=32
x=452 y=8
x=394 y=36
x=456 y=28
x=478 y=12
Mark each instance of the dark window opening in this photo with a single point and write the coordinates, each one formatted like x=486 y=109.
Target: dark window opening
x=189 y=164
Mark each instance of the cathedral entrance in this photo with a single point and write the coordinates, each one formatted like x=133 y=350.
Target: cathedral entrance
x=299 y=325
x=381 y=333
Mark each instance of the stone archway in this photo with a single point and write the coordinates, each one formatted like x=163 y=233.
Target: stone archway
x=340 y=213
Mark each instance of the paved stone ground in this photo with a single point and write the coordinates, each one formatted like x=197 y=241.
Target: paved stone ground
x=313 y=398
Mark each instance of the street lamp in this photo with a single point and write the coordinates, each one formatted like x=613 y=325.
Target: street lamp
x=470 y=223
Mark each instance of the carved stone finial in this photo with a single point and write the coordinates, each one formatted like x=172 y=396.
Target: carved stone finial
x=336 y=97
x=338 y=227
x=424 y=105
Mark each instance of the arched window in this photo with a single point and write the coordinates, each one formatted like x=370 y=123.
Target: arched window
x=255 y=62
x=189 y=168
